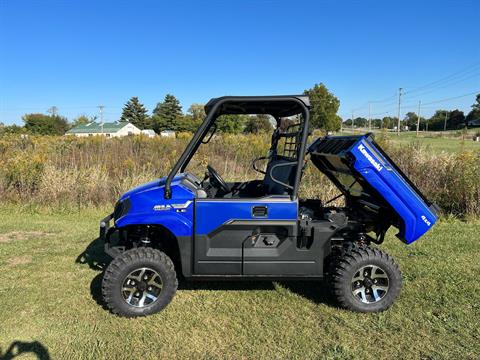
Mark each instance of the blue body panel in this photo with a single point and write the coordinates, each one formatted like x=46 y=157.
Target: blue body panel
x=211 y=214
x=148 y=206
x=379 y=173
x=361 y=159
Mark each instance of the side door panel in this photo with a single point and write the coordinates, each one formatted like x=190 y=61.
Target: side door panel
x=227 y=230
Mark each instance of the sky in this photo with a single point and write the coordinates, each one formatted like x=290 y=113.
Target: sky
x=77 y=55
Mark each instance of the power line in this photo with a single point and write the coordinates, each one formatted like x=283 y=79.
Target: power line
x=446 y=78
x=452 y=98
x=443 y=86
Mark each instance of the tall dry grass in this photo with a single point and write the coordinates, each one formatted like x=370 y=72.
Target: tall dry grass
x=83 y=172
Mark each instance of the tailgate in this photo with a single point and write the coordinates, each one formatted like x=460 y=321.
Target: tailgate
x=364 y=173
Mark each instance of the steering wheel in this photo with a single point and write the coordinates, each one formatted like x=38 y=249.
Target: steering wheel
x=216 y=179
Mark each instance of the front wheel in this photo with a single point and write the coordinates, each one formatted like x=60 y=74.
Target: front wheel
x=139 y=282
x=366 y=279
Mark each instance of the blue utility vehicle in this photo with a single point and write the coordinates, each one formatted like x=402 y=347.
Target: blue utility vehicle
x=209 y=228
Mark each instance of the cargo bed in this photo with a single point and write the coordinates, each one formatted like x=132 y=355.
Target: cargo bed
x=365 y=174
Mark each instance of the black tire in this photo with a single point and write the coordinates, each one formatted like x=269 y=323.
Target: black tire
x=363 y=295
x=119 y=271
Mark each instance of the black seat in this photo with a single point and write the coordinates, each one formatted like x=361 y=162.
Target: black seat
x=283 y=171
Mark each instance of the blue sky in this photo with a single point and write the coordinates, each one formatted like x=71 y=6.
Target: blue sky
x=77 y=55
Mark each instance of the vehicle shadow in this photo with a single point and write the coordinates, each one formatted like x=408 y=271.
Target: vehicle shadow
x=315 y=291
x=20 y=348
x=95 y=257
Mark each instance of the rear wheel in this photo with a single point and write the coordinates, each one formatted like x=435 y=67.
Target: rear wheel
x=139 y=282
x=365 y=279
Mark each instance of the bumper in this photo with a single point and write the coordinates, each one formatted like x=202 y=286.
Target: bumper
x=105 y=226
x=105 y=233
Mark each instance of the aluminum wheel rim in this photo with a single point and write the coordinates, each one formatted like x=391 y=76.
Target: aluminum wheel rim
x=142 y=287
x=370 y=284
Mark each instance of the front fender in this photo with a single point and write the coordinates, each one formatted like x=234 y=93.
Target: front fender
x=176 y=223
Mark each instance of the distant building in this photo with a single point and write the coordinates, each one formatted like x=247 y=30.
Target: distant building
x=473 y=123
x=167 y=133
x=149 y=132
x=112 y=129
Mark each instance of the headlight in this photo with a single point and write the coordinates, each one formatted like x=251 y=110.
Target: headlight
x=121 y=208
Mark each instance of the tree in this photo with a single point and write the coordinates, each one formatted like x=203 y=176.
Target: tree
x=42 y=124
x=193 y=119
x=456 y=120
x=389 y=122
x=476 y=105
x=258 y=124
x=323 y=114
x=376 y=123
x=81 y=120
x=437 y=121
x=167 y=114
x=197 y=111
x=474 y=114
x=231 y=123
x=134 y=112
x=12 y=129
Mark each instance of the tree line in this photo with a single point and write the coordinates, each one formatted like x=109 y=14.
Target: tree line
x=440 y=120
x=168 y=115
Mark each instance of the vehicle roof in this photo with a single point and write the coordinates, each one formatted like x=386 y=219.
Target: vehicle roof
x=275 y=105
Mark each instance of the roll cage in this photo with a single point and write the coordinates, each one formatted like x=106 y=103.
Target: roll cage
x=278 y=107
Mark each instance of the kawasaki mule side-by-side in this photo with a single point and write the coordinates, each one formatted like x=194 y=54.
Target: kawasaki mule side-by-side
x=260 y=229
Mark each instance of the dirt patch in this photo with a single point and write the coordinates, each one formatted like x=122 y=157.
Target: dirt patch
x=19 y=260
x=21 y=235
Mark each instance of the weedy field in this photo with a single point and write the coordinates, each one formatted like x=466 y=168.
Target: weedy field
x=68 y=172
x=51 y=266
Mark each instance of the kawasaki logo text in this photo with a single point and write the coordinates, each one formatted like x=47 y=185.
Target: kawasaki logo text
x=369 y=157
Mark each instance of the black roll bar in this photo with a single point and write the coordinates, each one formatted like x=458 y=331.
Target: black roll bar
x=212 y=115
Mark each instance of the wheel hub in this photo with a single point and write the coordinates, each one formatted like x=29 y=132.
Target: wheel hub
x=367 y=282
x=142 y=287
x=370 y=284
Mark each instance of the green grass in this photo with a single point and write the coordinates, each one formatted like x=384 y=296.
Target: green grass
x=49 y=304
x=437 y=144
x=448 y=143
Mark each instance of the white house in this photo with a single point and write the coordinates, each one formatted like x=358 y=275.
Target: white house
x=112 y=129
x=167 y=133
x=149 y=132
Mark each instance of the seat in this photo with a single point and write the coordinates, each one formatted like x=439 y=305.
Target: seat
x=283 y=171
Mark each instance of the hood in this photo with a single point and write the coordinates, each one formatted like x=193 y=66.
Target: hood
x=147 y=199
x=155 y=184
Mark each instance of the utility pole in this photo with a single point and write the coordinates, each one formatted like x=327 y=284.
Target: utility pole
x=101 y=107
x=445 y=124
x=418 y=116
x=353 y=129
x=369 y=116
x=399 y=103
x=53 y=110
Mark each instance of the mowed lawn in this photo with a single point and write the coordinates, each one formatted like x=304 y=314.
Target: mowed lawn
x=431 y=140
x=437 y=144
x=49 y=294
